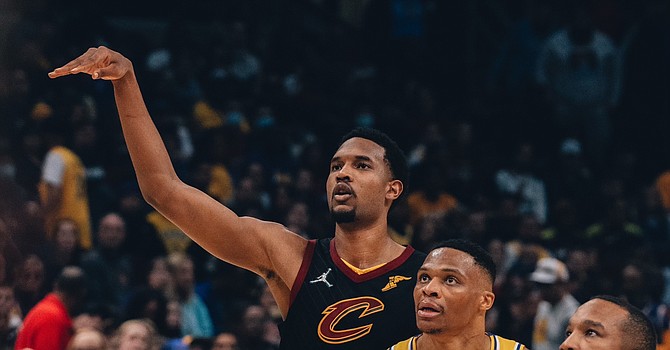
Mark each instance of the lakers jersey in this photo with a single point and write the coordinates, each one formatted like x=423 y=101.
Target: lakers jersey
x=497 y=343
x=333 y=307
x=74 y=199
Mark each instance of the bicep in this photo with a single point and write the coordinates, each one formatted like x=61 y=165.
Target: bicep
x=247 y=242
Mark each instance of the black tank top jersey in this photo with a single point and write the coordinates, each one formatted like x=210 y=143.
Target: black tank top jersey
x=332 y=307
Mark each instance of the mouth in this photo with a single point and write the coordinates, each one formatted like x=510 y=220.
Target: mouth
x=342 y=192
x=428 y=309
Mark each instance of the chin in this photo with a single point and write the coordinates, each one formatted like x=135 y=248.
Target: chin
x=343 y=217
x=428 y=327
x=430 y=330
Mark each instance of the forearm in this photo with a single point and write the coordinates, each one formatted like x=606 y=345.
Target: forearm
x=153 y=167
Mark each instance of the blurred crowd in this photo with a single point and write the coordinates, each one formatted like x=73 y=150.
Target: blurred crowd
x=534 y=128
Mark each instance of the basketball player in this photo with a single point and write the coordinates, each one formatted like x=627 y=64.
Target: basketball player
x=453 y=292
x=608 y=322
x=348 y=292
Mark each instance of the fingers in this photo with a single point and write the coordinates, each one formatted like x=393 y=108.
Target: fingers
x=70 y=67
x=90 y=62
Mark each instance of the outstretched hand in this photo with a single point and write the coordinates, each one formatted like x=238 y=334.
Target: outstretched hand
x=99 y=63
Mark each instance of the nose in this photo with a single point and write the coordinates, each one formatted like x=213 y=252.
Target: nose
x=431 y=288
x=568 y=344
x=343 y=174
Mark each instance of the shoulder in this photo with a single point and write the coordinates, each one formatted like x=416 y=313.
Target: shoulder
x=500 y=343
x=50 y=311
x=407 y=344
x=63 y=152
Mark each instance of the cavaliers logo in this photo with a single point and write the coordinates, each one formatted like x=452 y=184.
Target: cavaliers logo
x=360 y=307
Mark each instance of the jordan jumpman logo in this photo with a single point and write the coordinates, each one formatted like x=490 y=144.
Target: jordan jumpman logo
x=323 y=279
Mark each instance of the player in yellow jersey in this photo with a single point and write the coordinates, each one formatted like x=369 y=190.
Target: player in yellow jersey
x=612 y=323
x=453 y=292
x=62 y=186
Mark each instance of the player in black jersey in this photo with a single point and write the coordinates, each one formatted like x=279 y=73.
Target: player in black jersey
x=349 y=292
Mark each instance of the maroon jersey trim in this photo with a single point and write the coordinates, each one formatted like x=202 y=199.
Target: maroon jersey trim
x=391 y=265
x=304 y=268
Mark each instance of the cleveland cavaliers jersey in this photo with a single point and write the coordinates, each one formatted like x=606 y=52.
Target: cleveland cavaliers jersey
x=333 y=307
x=497 y=343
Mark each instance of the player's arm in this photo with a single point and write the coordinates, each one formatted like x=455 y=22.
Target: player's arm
x=263 y=247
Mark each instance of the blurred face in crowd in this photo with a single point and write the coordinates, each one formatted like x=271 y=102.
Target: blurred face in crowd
x=184 y=274
x=551 y=292
x=31 y=275
x=87 y=340
x=225 y=341
x=596 y=325
x=159 y=277
x=134 y=335
x=253 y=320
x=111 y=231
x=66 y=235
x=173 y=318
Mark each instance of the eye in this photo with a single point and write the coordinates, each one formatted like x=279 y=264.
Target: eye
x=335 y=167
x=450 y=280
x=591 y=333
x=567 y=333
x=363 y=166
x=424 y=278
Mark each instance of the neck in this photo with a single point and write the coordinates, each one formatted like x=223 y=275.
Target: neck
x=65 y=300
x=364 y=248
x=458 y=341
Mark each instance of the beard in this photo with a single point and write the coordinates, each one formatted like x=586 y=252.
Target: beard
x=431 y=331
x=430 y=327
x=343 y=217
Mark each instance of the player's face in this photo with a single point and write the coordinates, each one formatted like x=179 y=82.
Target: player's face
x=598 y=324
x=451 y=292
x=358 y=184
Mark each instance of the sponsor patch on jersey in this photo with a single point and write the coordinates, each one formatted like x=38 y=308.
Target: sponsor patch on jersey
x=393 y=282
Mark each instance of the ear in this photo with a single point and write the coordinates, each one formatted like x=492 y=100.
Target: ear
x=394 y=189
x=486 y=302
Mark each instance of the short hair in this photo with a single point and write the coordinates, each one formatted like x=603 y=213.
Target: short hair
x=640 y=332
x=393 y=155
x=479 y=254
x=71 y=282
